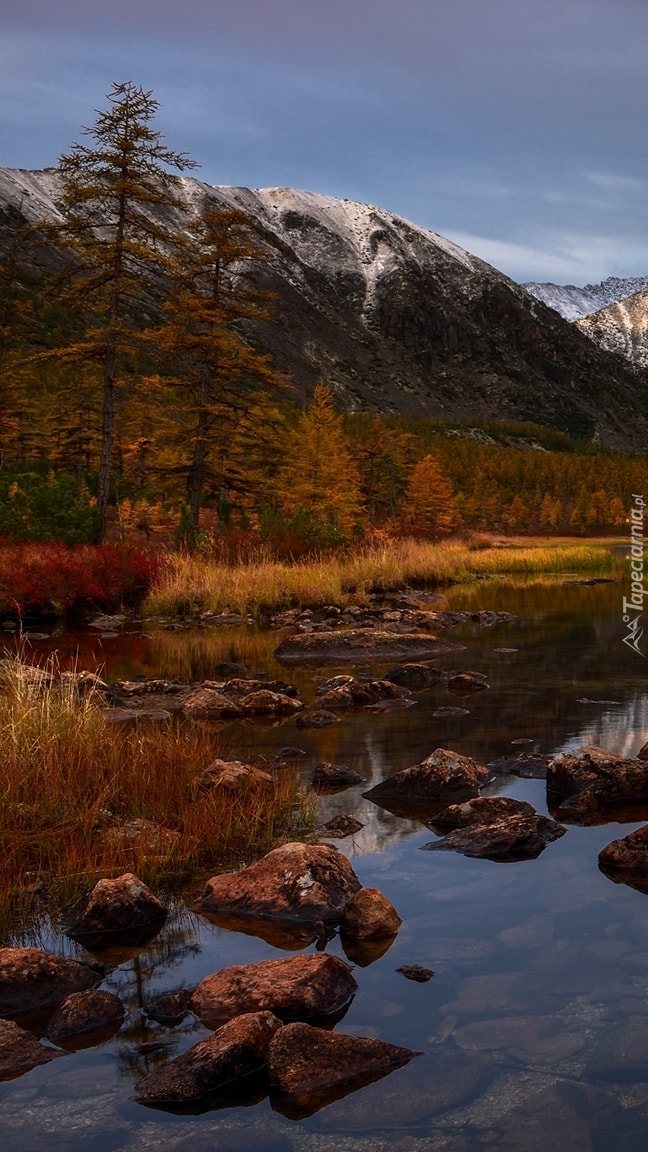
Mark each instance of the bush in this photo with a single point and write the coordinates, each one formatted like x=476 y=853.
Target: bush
x=54 y=579
x=51 y=507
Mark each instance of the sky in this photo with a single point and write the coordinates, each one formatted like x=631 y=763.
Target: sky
x=515 y=127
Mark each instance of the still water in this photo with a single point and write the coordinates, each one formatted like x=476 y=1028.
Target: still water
x=534 y=1028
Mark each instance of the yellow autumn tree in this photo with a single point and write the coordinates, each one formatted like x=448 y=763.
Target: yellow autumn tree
x=318 y=475
x=429 y=506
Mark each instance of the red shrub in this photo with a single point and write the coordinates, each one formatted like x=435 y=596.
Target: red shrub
x=46 y=578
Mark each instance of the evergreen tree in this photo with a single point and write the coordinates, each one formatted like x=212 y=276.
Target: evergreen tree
x=115 y=192
x=429 y=507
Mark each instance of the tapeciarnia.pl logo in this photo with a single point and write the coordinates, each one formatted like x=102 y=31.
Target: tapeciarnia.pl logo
x=633 y=608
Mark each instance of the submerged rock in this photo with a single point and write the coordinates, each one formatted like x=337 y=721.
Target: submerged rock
x=235 y=1050
x=20 y=1051
x=311 y=1067
x=515 y=838
x=416 y=675
x=369 y=915
x=442 y=775
x=341 y=826
x=85 y=1019
x=463 y=683
x=363 y=644
x=416 y=972
x=318 y=718
x=31 y=978
x=527 y=765
x=119 y=905
x=295 y=882
x=298 y=987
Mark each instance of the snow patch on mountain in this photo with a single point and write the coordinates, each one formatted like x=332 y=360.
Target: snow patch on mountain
x=575 y=303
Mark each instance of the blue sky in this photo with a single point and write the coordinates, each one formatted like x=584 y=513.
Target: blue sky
x=516 y=127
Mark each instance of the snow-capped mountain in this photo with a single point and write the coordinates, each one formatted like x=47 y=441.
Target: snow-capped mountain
x=397 y=318
x=574 y=303
x=621 y=328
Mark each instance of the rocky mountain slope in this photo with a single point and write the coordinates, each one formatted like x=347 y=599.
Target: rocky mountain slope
x=621 y=328
x=574 y=303
x=396 y=318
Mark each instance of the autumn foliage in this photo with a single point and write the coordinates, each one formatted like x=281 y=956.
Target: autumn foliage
x=51 y=578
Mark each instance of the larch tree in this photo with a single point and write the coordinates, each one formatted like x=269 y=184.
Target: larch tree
x=318 y=474
x=216 y=379
x=429 y=507
x=116 y=191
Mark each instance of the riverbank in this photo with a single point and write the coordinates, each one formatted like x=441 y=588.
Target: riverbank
x=188 y=585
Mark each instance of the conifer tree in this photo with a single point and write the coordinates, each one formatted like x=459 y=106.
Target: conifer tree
x=318 y=473
x=115 y=191
x=429 y=507
x=212 y=387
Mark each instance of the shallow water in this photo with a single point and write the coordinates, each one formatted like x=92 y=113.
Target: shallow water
x=540 y=989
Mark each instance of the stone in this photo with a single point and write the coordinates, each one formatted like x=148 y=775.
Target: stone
x=228 y=669
x=341 y=826
x=85 y=1019
x=118 y=905
x=207 y=704
x=463 y=683
x=326 y=775
x=31 y=978
x=361 y=693
x=142 y=836
x=442 y=775
x=516 y=838
x=416 y=972
x=297 y=987
x=20 y=1051
x=415 y=675
x=171 y=1008
x=237 y=1049
x=563 y=1117
x=592 y=779
x=362 y=644
x=268 y=703
x=449 y=712
x=84 y=681
x=234 y=775
x=626 y=860
x=295 y=882
x=481 y=810
x=527 y=765
x=311 y=1067
x=369 y=915
x=318 y=718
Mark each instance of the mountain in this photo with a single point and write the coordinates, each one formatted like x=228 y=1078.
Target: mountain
x=574 y=303
x=398 y=319
x=621 y=328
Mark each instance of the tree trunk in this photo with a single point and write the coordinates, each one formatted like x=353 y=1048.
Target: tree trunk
x=197 y=474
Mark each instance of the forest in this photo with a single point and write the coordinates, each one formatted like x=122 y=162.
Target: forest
x=137 y=405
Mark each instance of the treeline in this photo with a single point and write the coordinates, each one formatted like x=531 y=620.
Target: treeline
x=136 y=402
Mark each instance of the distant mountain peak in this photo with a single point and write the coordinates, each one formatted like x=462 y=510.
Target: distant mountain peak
x=575 y=303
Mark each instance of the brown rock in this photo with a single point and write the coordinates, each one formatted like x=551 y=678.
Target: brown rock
x=463 y=683
x=356 y=693
x=239 y=688
x=442 y=775
x=363 y=644
x=318 y=718
x=481 y=810
x=293 y=988
x=415 y=675
x=518 y=838
x=31 y=978
x=267 y=703
x=85 y=1019
x=296 y=882
x=527 y=765
x=311 y=1067
x=341 y=826
x=593 y=780
x=234 y=775
x=629 y=854
x=170 y=1008
x=20 y=1051
x=335 y=776
x=642 y=754
x=237 y=1049
x=369 y=915
x=207 y=704
x=118 y=905
x=416 y=972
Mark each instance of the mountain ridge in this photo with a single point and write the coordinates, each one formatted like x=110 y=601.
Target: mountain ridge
x=399 y=319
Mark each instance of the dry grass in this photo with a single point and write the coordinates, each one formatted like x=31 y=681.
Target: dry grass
x=70 y=778
x=191 y=584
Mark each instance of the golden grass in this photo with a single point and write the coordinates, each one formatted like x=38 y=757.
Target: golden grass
x=70 y=778
x=191 y=584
